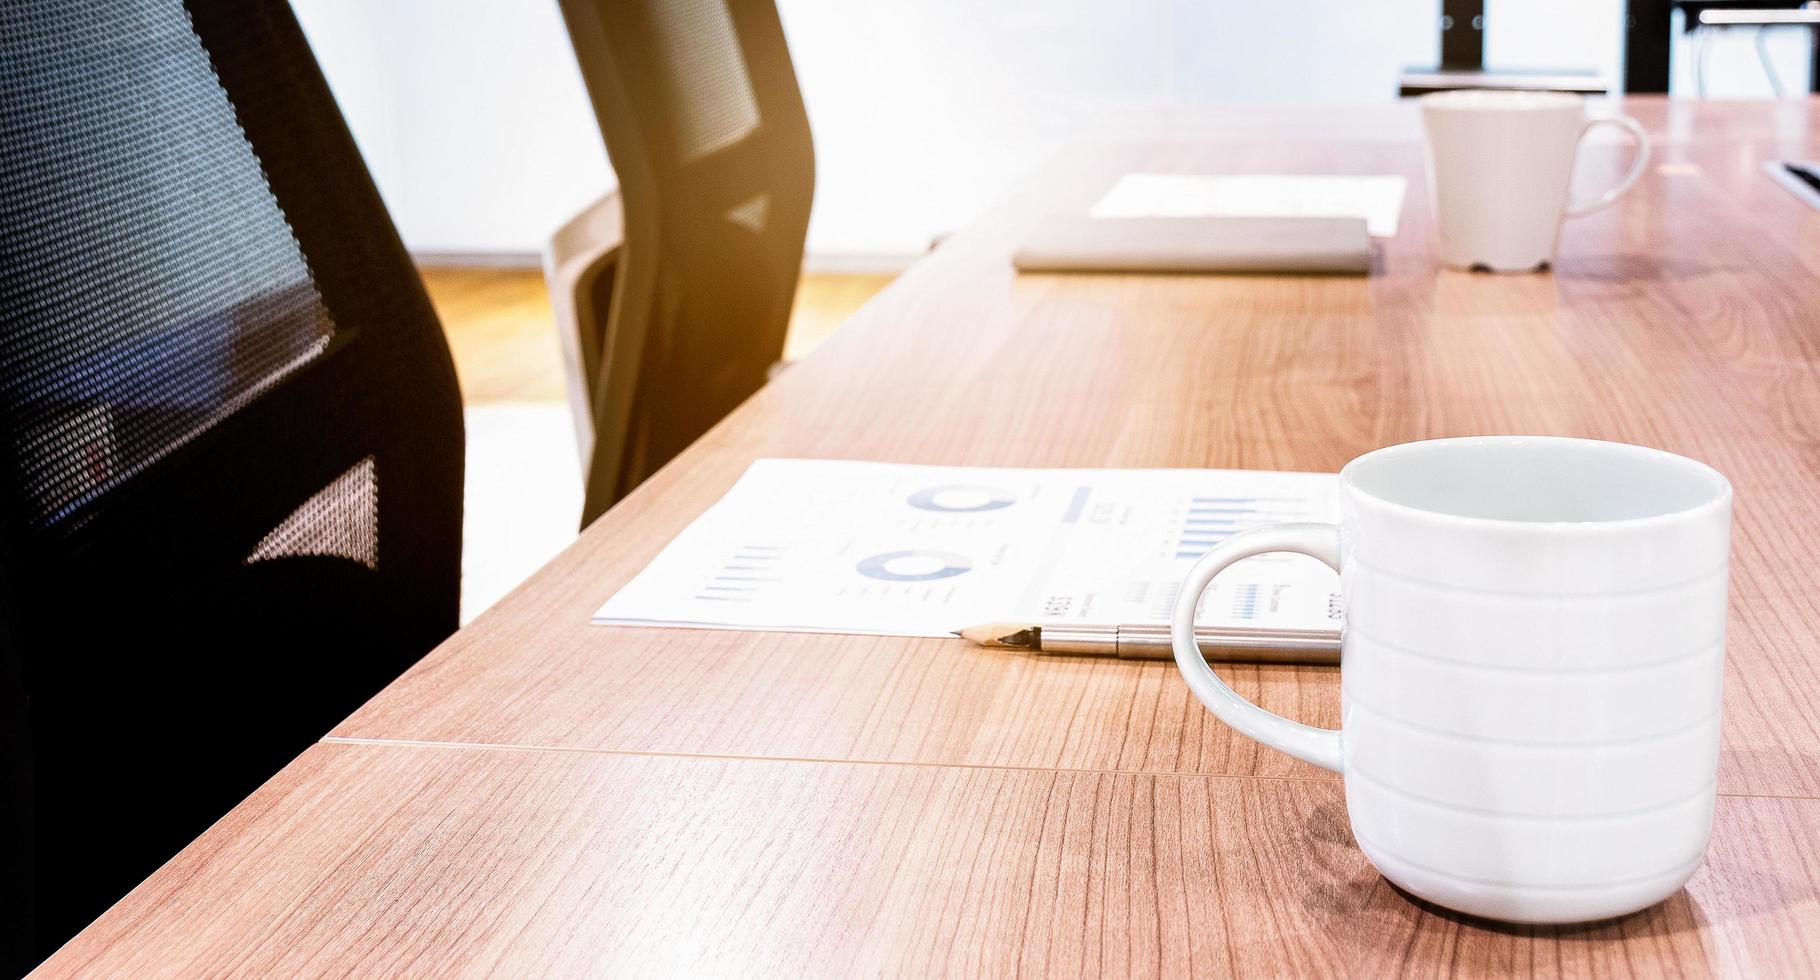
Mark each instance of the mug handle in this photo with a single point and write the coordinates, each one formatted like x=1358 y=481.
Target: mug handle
x=1606 y=199
x=1320 y=746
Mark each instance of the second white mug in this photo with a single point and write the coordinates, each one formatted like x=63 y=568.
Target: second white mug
x=1500 y=165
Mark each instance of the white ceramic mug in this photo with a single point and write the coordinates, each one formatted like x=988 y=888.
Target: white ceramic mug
x=1530 y=669
x=1499 y=168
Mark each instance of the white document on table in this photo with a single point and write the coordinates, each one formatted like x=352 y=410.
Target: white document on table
x=835 y=546
x=1377 y=199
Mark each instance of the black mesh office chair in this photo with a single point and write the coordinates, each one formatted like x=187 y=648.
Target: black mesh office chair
x=668 y=330
x=230 y=427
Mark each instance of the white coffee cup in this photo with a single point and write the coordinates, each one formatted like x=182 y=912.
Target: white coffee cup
x=1530 y=675
x=1500 y=165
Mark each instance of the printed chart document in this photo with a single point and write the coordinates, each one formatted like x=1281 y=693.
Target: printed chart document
x=836 y=546
x=1377 y=199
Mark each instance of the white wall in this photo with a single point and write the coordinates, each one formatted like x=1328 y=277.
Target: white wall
x=470 y=113
x=925 y=111
x=473 y=119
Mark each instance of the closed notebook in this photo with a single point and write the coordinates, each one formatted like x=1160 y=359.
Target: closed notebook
x=1082 y=243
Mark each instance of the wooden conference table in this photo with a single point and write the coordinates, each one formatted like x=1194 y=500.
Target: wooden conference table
x=542 y=795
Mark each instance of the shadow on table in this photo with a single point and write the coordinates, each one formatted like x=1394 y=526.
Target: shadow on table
x=1346 y=887
x=1630 y=268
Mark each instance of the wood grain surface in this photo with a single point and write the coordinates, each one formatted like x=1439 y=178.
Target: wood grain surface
x=528 y=863
x=541 y=795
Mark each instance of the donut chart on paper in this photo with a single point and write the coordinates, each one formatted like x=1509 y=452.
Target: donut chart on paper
x=961 y=498
x=914 y=565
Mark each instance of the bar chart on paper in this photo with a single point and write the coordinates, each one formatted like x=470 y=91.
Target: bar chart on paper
x=856 y=547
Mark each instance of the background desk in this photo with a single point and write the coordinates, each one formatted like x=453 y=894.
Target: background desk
x=539 y=794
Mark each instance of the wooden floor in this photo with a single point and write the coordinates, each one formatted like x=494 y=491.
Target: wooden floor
x=504 y=337
x=501 y=331
x=523 y=499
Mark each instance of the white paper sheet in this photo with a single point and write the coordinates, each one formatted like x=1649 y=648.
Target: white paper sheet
x=851 y=547
x=1377 y=199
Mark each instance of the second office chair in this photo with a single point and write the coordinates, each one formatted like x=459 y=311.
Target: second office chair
x=673 y=294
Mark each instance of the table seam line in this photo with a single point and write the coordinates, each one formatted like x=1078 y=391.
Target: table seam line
x=910 y=763
x=824 y=760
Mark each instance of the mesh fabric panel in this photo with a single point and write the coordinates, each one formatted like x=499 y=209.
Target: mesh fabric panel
x=704 y=75
x=149 y=283
x=339 y=521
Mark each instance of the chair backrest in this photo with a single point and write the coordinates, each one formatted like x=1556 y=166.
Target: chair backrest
x=698 y=103
x=229 y=422
x=1648 y=41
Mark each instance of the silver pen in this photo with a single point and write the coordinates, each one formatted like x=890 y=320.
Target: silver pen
x=1150 y=642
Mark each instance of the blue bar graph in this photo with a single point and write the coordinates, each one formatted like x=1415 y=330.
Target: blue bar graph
x=1207 y=521
x=738 y=579
x=1210 y=520
x=1245 y=601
